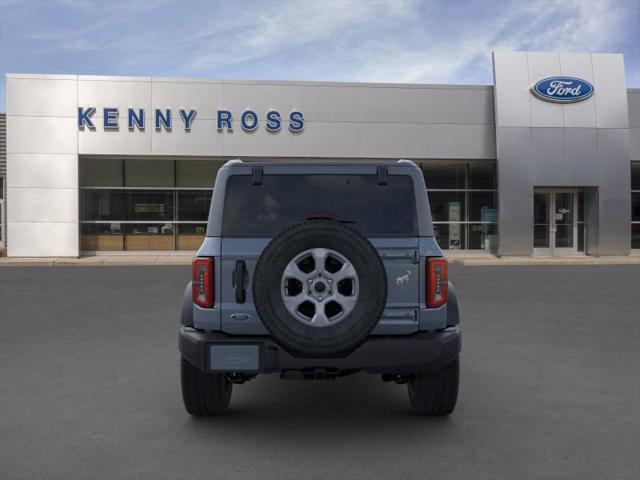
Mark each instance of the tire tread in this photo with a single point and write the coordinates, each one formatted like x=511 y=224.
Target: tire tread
x=204 y=394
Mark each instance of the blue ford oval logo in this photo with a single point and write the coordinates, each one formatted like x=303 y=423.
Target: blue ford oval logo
x=562 y=89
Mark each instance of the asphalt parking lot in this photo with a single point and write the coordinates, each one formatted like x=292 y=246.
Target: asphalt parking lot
x=550 y=387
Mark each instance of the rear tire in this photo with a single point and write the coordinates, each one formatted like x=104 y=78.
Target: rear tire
x=435 y=393
x=204 y=394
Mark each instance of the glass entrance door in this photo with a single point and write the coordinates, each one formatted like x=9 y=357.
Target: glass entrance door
x=555 y=222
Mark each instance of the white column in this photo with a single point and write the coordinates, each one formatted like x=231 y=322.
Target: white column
x=42 y=166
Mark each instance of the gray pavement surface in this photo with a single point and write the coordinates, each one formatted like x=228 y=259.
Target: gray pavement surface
x=550 y=388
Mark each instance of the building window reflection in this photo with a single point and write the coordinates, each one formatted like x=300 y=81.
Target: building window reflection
x=463 y=197
x=144 y=205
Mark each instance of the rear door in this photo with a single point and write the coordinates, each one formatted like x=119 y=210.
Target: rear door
x=384 y=212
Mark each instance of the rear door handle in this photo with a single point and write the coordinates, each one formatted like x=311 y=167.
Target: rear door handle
x=238 y=281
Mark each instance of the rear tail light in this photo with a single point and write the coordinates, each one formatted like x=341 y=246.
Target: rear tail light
x=202 y=286
x=437 y=282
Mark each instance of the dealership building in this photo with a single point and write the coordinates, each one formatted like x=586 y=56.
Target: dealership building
x=546 y=161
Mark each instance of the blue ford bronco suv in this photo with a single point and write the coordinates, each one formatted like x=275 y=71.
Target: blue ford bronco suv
x=315 y=271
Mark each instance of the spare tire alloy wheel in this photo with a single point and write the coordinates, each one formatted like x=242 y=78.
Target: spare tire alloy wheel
x=319 y=288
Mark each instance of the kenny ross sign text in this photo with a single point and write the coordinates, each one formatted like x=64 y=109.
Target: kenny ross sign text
x=163 y=120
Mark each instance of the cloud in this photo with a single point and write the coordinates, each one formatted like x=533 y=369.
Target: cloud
x=268 y=28
x=409 y=41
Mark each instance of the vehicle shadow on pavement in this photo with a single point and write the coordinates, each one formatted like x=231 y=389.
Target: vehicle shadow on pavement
x=357 y=403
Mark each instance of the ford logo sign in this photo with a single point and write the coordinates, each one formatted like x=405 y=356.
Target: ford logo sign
x=562 y=89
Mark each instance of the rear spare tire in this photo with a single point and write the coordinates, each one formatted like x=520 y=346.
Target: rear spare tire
x=320 y=288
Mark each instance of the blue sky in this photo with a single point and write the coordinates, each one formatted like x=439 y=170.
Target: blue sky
x=404 y=41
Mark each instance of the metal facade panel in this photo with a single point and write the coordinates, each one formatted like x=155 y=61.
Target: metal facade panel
x=54 y=205
x=29 y=170
x=634 y=143
x=461 y=141
x=395 y=105
x=41 y=134
x=633 y=98
x=44 y=97
x=512 y=97
x=461 y=106
x=515 y=164
x=549 y=159
x=120 y=141
x=395 y=140
x=328 y=103
x=612 y=110
x=614 y=222
x=581 y=114
x=325 y=140
x=582 y=156
x=613 y=162
x=42 y=206
x=260 y=143
x=187 y=95
x=101 y=93
x=203 y=139
x=590 y=147
x=544 y=114
x=515 y=237
x=260 y=98
x=41 y=239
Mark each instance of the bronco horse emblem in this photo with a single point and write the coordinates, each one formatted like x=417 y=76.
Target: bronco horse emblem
x=402 y=280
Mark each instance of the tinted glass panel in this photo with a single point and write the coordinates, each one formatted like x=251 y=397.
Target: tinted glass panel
x=101 y=237
x=581 y=234
x=196 y=173
x=635 y=235
x=540 y=208
x=149 y=173
x=194 y=205
x=635 y=206
x=482 y=237
x=482 y=206
x=450 y=236
x=635 y=175
x=103 y=205
x=150 y=205
x=284 y=200
x=101 y=172
x=482 y=175
x=444 y=175
x=447 y=206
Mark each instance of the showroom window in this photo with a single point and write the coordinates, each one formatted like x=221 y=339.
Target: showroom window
x=463 y=198
x=635 y=205
x=144 y=204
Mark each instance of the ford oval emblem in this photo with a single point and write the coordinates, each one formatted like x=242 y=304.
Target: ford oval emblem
x=240 y=316
x=562 y=89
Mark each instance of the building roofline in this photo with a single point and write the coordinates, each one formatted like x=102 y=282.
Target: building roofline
x=120 y=78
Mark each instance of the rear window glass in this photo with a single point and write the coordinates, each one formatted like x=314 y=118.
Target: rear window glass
x=284 y=200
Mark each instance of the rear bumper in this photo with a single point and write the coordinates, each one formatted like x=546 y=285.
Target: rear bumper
x=219 y=352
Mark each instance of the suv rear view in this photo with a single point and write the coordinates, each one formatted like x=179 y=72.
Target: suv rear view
x=317 y=271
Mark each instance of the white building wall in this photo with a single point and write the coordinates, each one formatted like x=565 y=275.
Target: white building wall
x=342 y=120
x=42 y=166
